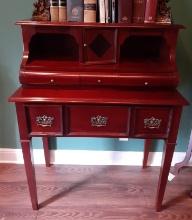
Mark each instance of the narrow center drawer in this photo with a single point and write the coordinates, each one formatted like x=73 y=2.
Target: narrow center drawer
x=98 y=120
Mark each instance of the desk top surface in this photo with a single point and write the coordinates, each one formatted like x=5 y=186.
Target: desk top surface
x=98 y=96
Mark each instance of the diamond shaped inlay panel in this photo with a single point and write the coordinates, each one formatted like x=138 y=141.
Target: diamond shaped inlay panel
x=100 y=45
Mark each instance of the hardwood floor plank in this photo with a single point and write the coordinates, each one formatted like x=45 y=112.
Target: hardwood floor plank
x=17 y=213
x=93 y=193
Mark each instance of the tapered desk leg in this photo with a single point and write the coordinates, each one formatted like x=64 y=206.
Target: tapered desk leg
x=168 y=151
x=30 y=172
x=46 y=151
x=164 y=172
x=27 y=153
x=147 y=146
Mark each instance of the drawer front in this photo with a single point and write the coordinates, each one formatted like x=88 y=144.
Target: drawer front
x=45 y=120
x=151 y=122
x=98 y=120
x=98 y=79
x=30 y=78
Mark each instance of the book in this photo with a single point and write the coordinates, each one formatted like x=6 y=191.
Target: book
x=113 y=11
x=106 y=11
x=102 y=11
x=150 y=11
x=90 y=7
x=54 y=10
x=75 y=10
x=62 y=10
x=139 y=11
x=109 y=11
x=125 y=11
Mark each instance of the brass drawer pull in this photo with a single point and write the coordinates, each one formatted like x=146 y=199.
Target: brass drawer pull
x=44 y=121
x=152 y=123
x=99 y=121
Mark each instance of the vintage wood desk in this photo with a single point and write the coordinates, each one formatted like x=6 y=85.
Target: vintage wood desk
x=98 y=80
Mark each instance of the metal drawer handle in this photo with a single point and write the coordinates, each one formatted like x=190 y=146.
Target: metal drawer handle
x=152 y=123
x=99 y=121
x=44 y=121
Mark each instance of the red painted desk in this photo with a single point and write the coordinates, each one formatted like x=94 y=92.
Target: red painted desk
x=99 y=112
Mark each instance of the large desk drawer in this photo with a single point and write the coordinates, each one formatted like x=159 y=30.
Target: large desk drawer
x=45 y=119
x=153 y=122
x=98 y=120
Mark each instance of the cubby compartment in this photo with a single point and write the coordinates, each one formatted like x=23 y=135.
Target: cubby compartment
x=53 y=47
x=144 y=48
x=145 y=53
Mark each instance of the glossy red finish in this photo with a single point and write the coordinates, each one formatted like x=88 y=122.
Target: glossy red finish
x=140 y=114
x=98 y=96
x=168 y=151
x=30 y=172
x=46 y=151
x=84 y=24
x=126 y=111
x=147 y=147
x=118 y=55
x=83 y=120
x=109 y=55
x=103 y=80
x=54 y=112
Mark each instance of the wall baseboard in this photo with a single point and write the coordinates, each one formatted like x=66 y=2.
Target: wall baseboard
x=86 y=157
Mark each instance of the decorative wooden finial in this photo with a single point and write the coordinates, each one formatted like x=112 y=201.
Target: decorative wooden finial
x=41 y=11
x=163 y=12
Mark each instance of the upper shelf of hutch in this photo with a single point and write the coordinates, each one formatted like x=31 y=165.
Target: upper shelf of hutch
x=97 y=24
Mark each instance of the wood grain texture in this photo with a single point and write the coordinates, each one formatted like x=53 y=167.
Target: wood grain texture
x=93 y=193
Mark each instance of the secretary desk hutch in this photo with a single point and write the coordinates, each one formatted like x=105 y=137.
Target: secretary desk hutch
x=98 y=80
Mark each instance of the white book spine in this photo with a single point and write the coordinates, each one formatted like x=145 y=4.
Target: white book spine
x=113 y=11
x=106 y=11
x=102 y=11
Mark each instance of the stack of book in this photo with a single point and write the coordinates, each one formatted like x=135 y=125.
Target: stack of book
x=106 y=11
x=58 y=10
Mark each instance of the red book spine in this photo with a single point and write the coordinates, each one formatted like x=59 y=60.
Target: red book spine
x=139 y=11
x=125 y=11
x=150 y=11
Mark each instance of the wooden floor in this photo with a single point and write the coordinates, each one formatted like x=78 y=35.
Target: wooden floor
x=93 y=193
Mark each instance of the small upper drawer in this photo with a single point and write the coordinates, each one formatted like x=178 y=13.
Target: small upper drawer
x=45 y=119
x=98 y=79
x=98 y=120
x=150 y=122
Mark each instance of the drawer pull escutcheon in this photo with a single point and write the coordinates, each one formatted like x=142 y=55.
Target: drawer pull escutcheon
x=44 y=121
x=152 y=123
x=99 y=121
